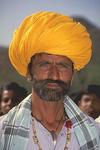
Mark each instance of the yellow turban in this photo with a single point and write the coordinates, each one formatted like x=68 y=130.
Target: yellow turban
x=52 y=33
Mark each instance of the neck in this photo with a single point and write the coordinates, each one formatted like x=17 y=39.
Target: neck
x=50 y=114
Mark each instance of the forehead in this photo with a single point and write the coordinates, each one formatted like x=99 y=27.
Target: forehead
x=51 y=58
x=89 y=96
x=7 y=93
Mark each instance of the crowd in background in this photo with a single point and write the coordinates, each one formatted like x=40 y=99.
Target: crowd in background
x=11 y=94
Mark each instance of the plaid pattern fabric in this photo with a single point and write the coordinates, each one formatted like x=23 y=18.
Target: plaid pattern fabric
x=16 y=126
x=84 y=128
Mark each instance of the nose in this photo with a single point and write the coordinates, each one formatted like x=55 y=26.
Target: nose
x=54 y=73
x=9 y=102
x=90 y=104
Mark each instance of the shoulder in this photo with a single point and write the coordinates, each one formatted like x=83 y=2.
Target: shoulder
x=8 y=118
x=96 y=124
x=5 y=118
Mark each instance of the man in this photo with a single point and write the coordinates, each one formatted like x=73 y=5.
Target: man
x=11 y=94
x=95 y=90
x=85 y=101
x=47 y=48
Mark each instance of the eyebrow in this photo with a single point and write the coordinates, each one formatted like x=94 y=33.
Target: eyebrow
x=66 y=64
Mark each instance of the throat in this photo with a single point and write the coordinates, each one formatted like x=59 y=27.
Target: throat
x=55 y=127
x=50 y=115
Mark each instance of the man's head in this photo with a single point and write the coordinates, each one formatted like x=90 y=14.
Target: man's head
x=55 y=38
x=86 y=101
x=51 y=75
x=95 y=89
x=10 y=95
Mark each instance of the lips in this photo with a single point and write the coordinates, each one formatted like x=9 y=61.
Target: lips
x=89 y=110
x=53 y=85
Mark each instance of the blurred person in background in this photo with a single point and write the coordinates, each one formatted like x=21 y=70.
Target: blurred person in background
x=11 y=94
x=95 y=90
x=84 y=100
x=89 y=100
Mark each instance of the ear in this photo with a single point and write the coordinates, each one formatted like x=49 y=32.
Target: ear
x=74 y=73
x=28 y=76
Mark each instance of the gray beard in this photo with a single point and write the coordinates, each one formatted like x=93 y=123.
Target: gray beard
x=49 y=94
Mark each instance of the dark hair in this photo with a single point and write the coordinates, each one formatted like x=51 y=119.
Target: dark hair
x=77 y=96
x=21 y=92
x=30 y=64
x=92 y=88
x=9 y=86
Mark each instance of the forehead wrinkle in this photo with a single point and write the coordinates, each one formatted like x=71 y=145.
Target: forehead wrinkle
x=53 y=58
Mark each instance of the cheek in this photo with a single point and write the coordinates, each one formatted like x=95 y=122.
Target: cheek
x=96 y=106
x=40 y=75
x=66 y=76
x=3 y=104
x=82 y=104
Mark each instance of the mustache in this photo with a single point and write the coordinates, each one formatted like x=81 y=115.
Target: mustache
x=46 y=81
x=50 y=94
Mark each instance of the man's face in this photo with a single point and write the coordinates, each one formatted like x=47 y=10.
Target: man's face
x=51 y=76
x=86 y=103
x=7 y=100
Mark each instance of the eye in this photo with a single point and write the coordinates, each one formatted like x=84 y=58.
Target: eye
x=64 y=66
x=87 y=100
x=44 y=64
x=5 y=100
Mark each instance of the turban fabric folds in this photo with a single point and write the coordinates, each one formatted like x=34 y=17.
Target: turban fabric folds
x=52 y=33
